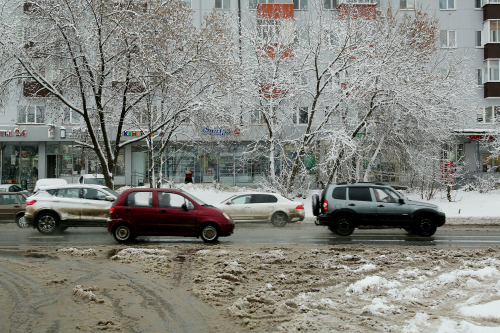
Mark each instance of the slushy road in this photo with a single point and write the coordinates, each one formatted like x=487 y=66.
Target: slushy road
x=266 y=234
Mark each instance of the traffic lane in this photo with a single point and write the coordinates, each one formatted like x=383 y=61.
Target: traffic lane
x=265 y=234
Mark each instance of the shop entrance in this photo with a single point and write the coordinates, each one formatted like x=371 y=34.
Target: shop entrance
x=52 y=171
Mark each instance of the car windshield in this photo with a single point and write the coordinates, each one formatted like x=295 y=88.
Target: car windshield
x=228 y=199
x=110 y=191
x=195 y=199
x=95 y=181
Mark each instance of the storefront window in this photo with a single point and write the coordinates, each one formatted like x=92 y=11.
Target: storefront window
x=226 y=168
x=490 y=163
x=29 y=164
x=10 y=164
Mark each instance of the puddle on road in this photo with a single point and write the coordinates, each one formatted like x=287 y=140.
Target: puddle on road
x=27 y=256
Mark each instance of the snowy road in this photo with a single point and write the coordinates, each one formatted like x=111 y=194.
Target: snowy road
x=265 y=234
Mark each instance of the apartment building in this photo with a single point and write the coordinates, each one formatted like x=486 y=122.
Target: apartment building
x=36 y=145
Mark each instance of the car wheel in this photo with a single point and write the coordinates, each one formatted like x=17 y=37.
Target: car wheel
x=426 y=227
x=209 y=233
x=21 y=221
x=47 y=223
x=279 y=219
x=343 y=227
x=315 y=204
x=123 y=233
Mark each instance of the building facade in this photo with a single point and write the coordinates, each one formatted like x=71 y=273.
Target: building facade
x=35 y=144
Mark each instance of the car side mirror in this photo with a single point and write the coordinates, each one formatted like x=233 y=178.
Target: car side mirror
x=185 y=207
x=110 y=198
x=228 y=203
x=402 y=201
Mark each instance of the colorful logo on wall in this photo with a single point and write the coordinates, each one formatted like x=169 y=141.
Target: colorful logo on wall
x=17 y=132
x=140 y=133
x=220 y=131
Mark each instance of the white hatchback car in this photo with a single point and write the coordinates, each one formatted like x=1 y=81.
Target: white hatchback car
x=263 y=207
x=55 y=208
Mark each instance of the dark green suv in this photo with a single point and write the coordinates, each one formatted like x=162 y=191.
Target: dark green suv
x=343 y=207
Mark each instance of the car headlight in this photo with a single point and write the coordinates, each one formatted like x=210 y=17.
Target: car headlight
x=227 y=216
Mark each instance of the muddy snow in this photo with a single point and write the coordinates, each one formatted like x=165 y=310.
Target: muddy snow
x=230 y=288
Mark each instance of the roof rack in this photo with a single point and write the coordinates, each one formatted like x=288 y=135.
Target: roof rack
x=345 y=183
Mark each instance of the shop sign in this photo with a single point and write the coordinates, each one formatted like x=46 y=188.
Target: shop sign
x=17 y=132
x=140 y=133
x=481 y=137
x=220 y=131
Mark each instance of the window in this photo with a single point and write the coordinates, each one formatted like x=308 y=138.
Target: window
x=385 y=195
x=275 y=31
x=299 y=4
x=139 y=199
x=477 y=4
x=301 y=116
x=488 y=114
x=31 y=114
x=264 y=198
x=222 y=4
x=339 y=193
x=359 y=194
x=446 y=4
x=252 y=4
x=478 y=38
x=244 y=199
x=71 y=117
x=494 y=31
x=406 y=4
x=172 y=200
x=93 y=194
x=448 y=38
x=330 y=4
x=68 y=193
x=492 y=70
x=8 y=199
x=257 y=117
x=479 y=76
x=188 y=3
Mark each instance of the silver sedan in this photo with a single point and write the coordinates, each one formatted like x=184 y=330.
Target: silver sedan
x=263 y=207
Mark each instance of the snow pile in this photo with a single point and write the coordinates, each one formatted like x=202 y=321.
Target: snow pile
x=76 y=252
x=335 y=289
x=153 y=260
x=85 y=294
x=140 y=254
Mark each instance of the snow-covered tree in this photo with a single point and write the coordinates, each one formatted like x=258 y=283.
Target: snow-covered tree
x=110 y=61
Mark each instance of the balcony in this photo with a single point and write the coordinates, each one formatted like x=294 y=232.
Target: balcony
x=491 y=51
x=491 y=10
x=34 y=89
x=491 y=89
x=357 y=2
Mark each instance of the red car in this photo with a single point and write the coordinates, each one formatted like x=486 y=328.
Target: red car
x=164 y=212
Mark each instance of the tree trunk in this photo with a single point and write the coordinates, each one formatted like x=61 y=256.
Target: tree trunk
x=374 y=157
x=271 y=161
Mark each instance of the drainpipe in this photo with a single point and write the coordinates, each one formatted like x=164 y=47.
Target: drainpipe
x=239 y=26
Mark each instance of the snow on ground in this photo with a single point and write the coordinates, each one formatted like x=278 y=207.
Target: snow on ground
x=333 y=289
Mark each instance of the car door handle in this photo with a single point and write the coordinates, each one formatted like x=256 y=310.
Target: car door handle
x=163 y=211
x=128 y=209
x=17 y=206
x=380 y=206
x=351 y=205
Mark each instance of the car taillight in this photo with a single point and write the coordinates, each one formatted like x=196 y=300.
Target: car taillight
x=300 y=207
x=112 y=209
x=30 y=202
x=325 y=205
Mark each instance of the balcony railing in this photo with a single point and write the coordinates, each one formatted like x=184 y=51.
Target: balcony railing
x=486 y=2
x=357 y=2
